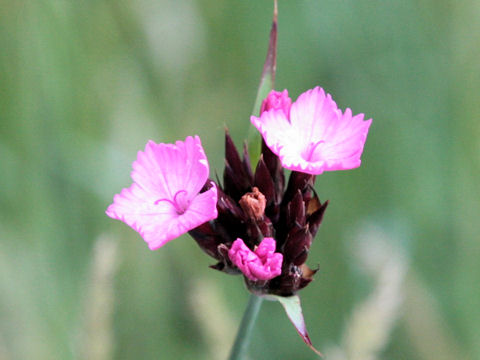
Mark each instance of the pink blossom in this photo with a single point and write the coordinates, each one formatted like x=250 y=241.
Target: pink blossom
x=164 y=200
x=316 y=137
x=277 y=100
x=262 y=264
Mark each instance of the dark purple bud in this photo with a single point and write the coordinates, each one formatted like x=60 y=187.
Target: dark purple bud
x=298 y=181
x=266 y=227
x=226 y=205
x=231 y=153
x=288 y=282
x=257 y=230
x=275 y=168
x=315 y=219
x=263 y=180
x=231 y=182
x=247 y=167
x=207 y=238
x=297 y=245
x=236 y=180
x=296 y=211
x=230 y=222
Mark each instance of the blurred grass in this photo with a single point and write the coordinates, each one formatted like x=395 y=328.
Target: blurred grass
x=85 y=84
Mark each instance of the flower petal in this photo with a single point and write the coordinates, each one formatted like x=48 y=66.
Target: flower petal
x=314 y=114
x=165 y=169
x=276 y=130
x=163 y=202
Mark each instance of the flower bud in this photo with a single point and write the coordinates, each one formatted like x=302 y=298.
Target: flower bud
x=237 y=176
x=253 y=204
x=297 y=245
x=262 y=264
x=207 y=238
x=315 y=219
x=277 y=100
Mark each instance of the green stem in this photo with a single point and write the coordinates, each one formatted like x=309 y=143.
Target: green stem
x=242 y=340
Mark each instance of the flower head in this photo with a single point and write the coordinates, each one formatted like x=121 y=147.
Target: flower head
x=254 y=205
x=164 y=201
x=262 y=264
x=316 y=136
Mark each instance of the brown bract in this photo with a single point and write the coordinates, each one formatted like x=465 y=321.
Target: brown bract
x=253 y=204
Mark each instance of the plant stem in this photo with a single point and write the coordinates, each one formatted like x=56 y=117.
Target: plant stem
x=242 y=340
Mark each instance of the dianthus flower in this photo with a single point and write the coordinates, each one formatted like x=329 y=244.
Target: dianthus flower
x=251 y=211
x=314 y=136
x=254 y=222
x=164 y=201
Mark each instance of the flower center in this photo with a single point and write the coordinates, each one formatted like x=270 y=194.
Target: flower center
x=180 y=201
x=309 y=153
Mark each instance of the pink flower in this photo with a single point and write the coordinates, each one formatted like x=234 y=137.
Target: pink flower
x=164 y=201
x=277 y=100
x=262 y=264
x=316 y=137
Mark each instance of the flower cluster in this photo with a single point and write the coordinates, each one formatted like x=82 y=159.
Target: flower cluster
x=254 y=223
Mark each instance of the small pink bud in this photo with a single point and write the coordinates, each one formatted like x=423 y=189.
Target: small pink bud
x=262 y=264
x=277 y=100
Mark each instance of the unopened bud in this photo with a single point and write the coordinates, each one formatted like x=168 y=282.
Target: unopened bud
x=298 y=245
x=253 y=204
x=207 y=239
x=278 y=101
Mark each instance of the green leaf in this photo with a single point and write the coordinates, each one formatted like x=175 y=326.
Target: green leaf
x=267 y=82
x=293 y=308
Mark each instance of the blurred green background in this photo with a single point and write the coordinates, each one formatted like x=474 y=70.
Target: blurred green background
x=84 y=85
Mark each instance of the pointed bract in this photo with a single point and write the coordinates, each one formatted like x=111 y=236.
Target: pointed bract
x=164 y=201
x=316 y=137
x=263 y=180
x=296 y=211
x=237 y=176
x=293 y=308
x=297 y=245
x=316 y=218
